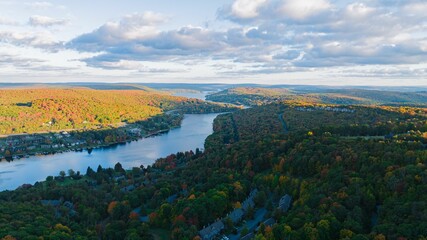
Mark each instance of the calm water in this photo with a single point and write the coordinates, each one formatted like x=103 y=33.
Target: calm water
x=198 y=95
x=191 y=135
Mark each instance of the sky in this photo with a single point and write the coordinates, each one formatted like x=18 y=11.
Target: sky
x=319 y=42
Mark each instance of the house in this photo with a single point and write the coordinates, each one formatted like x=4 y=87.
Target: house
x=236 y=215
x=285 y=203
x=209 y=232
x=57 y=203
x=249 y=202
x=66 y=134
x=135 y=131
x=70 y=207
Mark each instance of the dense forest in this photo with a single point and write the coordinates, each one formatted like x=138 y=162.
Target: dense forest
x=48 y=109
x=353 y=172
x=253 y=96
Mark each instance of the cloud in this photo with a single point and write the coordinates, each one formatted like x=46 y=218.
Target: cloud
x=137 y=37
x=43 y=40
x=184 y=43
x=269 y=36
x=416 y=9
x=300 y=10
x=130 y=29
x=358 y=10
x=246 y=8
x=40 y=4
x=44 y=5
x=187 y=38
x=331 y=54
x=29 y=63
x=138 y=67
x=44 y=21
x=6 y=21
x=17 y=61
x=249 y=11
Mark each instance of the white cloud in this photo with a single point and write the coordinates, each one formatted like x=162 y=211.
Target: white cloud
x=355 y=34
x=302 y=9
x=254 y=38
x=134 y=27
x=45 y=21
x=147 y=18
x=358 y=10
x=30 y=39
x=6 y=21
x=418 y=9
x=43 y=4
x=247 y=8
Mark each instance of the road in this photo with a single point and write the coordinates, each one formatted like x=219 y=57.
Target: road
x=285 y=127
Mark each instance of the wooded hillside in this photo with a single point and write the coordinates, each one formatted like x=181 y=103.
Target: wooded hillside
x=253 y=96
x=352 y=172
x=35 y=110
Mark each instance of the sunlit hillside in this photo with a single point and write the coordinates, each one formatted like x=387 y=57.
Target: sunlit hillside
x=35 y=110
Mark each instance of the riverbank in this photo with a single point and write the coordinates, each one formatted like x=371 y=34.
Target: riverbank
x=190 y=135
x=89 y=148
x=25 y=145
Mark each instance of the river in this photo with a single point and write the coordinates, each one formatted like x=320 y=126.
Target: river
x=191 y=135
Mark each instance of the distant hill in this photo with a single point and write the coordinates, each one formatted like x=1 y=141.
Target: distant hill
x=210 y=87
x=259 y=96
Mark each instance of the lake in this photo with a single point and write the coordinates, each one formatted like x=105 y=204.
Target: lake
x=195 y=94
x=191 y=135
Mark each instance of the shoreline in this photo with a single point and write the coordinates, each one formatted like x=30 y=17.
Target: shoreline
x=88 y=147
x=135 y=153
